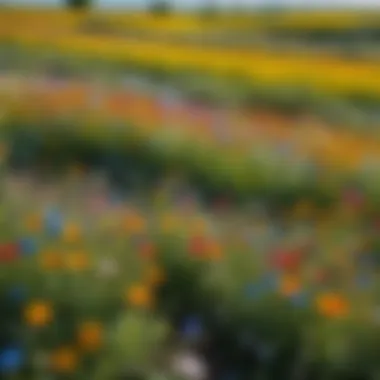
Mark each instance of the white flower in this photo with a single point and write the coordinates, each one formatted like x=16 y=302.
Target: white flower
x=107 y=268
x=190 y=366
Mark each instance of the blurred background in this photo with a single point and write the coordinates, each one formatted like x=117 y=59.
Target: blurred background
x=189 y=190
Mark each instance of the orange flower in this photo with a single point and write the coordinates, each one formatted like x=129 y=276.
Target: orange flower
x=51 y=260
x=289 y=285
x=197 y=246
x=134 y=223
x=332 y=305
x=71 y=233
x=90 y=335
x=154 y=275
x=64 y=360
x=214 y=250
x=139 y=295
x=38 y=313
x=77 y=260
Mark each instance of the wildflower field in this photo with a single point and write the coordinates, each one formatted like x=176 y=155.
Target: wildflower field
x=152 y=231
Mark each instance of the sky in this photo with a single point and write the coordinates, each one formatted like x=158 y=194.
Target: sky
x=224 y=3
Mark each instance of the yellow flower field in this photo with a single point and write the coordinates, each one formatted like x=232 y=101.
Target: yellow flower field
x=323 y=72
x=190 y=22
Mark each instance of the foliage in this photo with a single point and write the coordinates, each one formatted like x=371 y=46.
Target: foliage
x=135 y=343
x=78 y=4
x=157 y=155
x=159 y=7
x=56 y=281
x=209 y=11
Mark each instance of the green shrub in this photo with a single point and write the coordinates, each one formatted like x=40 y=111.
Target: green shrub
x=78 y=4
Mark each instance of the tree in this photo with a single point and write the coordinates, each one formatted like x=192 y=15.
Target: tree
x=209 y=9
x=159 y=7
x=78 y=4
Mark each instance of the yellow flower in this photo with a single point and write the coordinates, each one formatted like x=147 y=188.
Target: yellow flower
x=64 y=360
x=332 y=305
x=90 y=335
x=139 y=295
x=77 y=260
x=71 y=233
x=38 y=313
x=50 y=260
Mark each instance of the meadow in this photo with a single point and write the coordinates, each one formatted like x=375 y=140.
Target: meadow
x=91 y=277
x=150 y=232
x=255 y=152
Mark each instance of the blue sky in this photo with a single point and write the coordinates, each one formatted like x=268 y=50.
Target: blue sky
x=192 y=3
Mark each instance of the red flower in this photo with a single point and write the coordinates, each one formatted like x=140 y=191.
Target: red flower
x=9 y=252
x=197 y=246
x=287 y=260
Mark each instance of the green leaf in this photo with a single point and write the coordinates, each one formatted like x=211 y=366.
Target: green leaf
x=137 y=337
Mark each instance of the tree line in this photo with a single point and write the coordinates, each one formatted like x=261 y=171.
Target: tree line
x=156 y=7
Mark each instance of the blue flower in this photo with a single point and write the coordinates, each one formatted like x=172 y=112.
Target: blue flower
x=269 y=281
x=11 y=359
x=192 y=327
x=265 y=285
x=300 y=300
x=53 y=222
x=28 y=246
